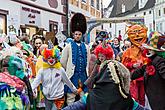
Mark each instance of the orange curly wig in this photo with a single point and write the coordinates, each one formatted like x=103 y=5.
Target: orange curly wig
x=107 y=51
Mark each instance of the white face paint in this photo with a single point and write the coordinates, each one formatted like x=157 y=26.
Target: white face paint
x=150 y=53
x=51 y=61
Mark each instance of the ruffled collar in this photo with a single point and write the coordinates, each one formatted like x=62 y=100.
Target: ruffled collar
x=56 y=65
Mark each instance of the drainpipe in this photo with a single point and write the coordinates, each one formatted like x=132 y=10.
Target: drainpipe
x=102 y=13
x=67 y=17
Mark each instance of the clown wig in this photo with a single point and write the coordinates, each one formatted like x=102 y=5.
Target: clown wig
x=54 y=52
x=105 y=50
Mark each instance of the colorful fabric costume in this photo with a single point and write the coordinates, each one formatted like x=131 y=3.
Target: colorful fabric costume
x=137 y=35
x=154 y=72
x=13 y=83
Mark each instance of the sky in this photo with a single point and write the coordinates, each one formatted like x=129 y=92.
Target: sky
x=106 y=3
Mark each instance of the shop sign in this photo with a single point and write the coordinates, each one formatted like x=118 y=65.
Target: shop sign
x=30 y=16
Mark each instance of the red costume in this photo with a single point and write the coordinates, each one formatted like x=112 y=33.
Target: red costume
x=134 y=55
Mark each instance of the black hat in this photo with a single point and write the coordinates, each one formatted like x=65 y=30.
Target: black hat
x=78 y=23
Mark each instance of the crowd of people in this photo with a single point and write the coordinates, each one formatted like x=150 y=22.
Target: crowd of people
x=103 y=75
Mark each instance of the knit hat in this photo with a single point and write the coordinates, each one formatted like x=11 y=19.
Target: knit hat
x=156 y=42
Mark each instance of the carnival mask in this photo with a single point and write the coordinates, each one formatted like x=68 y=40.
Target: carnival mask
x=137 y=34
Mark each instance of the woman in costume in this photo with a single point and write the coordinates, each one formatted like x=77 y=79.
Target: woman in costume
x=111 y=90
x=53 y=77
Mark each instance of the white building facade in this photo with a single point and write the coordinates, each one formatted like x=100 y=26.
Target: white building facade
x=160 y=15
x=32 y=15
x=120 y=28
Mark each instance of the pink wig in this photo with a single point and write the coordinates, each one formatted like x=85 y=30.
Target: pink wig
x=107 y=51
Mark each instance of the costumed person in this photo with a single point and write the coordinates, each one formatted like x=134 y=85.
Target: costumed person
x=75 y=57
x=133 y=58
x=53 y=77
x=154 y=71
x=13 y=71
x=111 y=90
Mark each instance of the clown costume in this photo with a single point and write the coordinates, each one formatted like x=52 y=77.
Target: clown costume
x=53 y=77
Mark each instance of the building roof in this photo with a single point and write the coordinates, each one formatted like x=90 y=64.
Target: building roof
x=131 y=7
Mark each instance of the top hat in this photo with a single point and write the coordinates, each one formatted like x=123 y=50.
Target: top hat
x=78 y=23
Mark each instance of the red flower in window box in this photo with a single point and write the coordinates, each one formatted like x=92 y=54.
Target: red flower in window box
x=150 y=69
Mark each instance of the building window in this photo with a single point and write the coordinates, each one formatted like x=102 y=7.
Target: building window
x=164 y=10
x=84 y=1
x=144 y=13
x=2 y=24
x=110 y=25
x=98 y=4
x=53 y=26
x=92 y=3
x=159 y=13
x=123 y=8
x=150 y=12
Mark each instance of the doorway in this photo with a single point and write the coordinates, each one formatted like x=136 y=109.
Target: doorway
x=31 y=31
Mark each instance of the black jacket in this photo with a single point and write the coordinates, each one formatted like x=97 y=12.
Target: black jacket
x=154 y=84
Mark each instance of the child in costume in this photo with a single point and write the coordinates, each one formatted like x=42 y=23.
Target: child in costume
x=133 y=58
x=154 y=72
x=52 y=76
